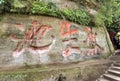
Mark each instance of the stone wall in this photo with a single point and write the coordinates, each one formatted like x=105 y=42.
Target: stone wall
x=43 y=40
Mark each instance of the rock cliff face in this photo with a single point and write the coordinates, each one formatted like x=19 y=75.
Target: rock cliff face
x=27 y=42
x=43 y=40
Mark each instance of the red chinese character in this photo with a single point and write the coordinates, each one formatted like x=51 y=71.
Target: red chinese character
x=31 y=36
x=65 y=29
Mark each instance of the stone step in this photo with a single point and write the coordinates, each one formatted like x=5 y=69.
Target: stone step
x=102 y=79
x=117 y=53
x=115 y=68
x=111 y=77
x=115 y=58
x=114 y=72
x=116 y=64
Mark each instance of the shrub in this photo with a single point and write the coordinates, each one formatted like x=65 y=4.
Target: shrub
x=50 y=9
x=78 y=16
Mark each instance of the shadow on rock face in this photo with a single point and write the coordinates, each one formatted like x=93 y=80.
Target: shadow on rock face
x=61 y=78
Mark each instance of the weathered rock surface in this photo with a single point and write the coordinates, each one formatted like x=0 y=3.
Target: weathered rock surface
x=77 y=71
x=44 y=40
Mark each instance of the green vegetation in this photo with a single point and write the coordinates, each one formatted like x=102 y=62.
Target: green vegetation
x=75 y=15
x=71 y=73
x=14 y=77
x=2 y=2
x=44 y=8
x=4 y=6
x=107 y=11
x=109 y=14
x=79 y=16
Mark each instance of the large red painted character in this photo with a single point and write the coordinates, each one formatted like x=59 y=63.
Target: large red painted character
x=42 y=49
x=42 y=30
x=71 y=50
x=34 y=26
x=91 y=37
x=32 y=35
x=66 y=30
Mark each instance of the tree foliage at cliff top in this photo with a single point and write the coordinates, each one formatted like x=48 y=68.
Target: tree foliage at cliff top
x=108 y=12
x=75 y=15
x=79 y=16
